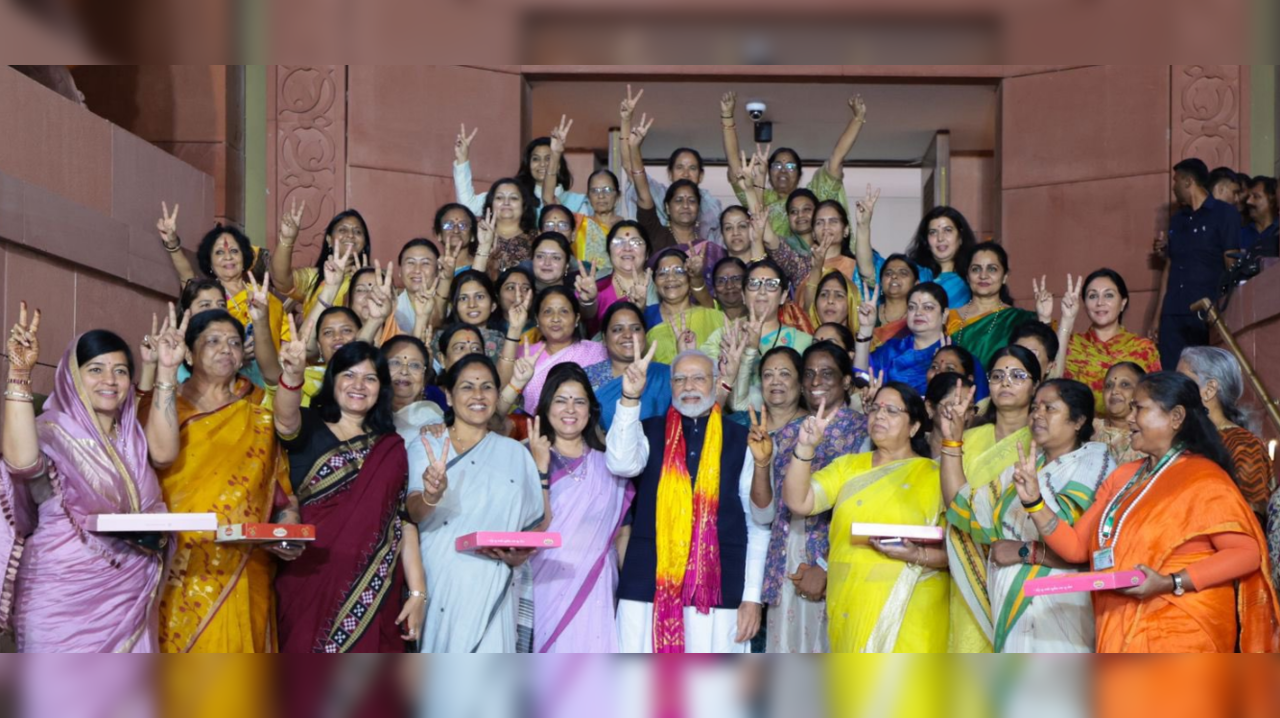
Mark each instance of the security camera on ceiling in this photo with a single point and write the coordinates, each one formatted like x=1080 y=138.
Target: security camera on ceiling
x=756 y=110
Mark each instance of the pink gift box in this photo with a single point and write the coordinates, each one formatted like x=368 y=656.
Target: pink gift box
x=508 y=539
x=923 y=534
x=1082 y=582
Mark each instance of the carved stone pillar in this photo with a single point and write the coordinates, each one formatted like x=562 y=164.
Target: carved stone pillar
x=307 y=129
x=1207 y=119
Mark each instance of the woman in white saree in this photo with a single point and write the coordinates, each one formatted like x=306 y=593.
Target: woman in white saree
x=1069 y=467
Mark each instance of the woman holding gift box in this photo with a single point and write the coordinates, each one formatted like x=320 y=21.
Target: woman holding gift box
x=473 y=480
x=1179 y=519
x=881 y=597
x=1069 y=469
x=217 y=597
x=575 y=587
x=68 y=590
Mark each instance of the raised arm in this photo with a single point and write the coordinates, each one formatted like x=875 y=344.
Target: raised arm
x=168 y=228
x=518 y=317
x=729 y=129
x=20 y=443
x=644 y=197
x=952 y=425
x=282 y=258
x=264 y=345
x=382 y=303
x=761 y=445
x=626 y=112
x=835 y=165
x=462 y=186
x=288 y=399
x=162 y=430
x=866 y=327
x=435 y=481
x=1070 y=308
x=559 y=136
x=797 y=486
x=862 y=249
x=626 y=448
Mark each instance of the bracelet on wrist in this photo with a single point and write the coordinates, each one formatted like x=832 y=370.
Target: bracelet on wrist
x=798 y=457
x=637 y=173
x=172 y=249
x=952 y=444
x=863 y=340
x=285 y=385
x=630 y=398
x=418 y=594
x=726 y=386
x=1035 y=507
x=165 y=386
x=759 y=465
x=517 y=339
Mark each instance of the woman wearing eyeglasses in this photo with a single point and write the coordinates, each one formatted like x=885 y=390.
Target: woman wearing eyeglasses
x=767 y=327
x=907 y=357
x=676 y=321
x=1068 y=468
x=408 y=360
x=881 y=597
x=989 y=449
x=784 y=167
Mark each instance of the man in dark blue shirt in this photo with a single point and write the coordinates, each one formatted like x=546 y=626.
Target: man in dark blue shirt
x=1262 y=228
x=1200 y=235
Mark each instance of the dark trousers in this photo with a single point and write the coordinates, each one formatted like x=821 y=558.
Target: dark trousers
x=1177 y=332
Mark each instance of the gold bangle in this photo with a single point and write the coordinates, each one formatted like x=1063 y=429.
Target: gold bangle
x=164 y=386
x=952 y=444
x=428 y=503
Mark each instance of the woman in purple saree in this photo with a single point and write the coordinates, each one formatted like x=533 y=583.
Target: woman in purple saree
x=574 y=586
x=66 y=589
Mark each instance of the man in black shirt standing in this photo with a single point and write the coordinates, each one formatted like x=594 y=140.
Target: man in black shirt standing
x=1200 y=235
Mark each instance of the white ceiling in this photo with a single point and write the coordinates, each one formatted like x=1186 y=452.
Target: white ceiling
x=901 y=118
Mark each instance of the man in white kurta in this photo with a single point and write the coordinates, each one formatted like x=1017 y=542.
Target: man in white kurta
x=630 y=446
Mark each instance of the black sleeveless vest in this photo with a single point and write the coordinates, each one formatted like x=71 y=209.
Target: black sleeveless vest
x=639 y=572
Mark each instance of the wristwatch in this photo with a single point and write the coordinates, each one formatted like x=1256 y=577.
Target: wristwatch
x=1024 y=553
x=1178 y=589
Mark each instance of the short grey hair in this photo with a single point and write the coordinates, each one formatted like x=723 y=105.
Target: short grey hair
x=1215 y=364
x=688 y=353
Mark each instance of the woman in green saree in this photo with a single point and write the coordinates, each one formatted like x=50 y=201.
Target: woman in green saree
x=986 y=451
x=986 y=323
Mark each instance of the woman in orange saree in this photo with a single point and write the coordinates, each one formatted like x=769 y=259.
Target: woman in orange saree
x=1179 y=519
x=218 y=598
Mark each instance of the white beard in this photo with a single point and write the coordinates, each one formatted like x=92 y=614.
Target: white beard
x=694 y=411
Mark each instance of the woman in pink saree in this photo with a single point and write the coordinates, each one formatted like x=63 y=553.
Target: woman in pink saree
x=558 y=315
x=575 y=586
x=66 y=589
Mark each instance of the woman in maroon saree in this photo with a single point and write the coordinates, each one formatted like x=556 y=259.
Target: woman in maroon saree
x=348 y=467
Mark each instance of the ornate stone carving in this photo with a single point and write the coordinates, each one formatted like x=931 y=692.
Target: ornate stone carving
x=310 y=114
x=1206 y=114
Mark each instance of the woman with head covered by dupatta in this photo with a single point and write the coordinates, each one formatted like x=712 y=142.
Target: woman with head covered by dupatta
x=68 y=589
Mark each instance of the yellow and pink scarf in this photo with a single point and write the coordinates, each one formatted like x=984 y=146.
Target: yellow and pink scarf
x=686 y=521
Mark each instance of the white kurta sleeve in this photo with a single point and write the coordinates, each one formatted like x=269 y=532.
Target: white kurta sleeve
x=757 y=537
x=626 y=448
x=466 y=191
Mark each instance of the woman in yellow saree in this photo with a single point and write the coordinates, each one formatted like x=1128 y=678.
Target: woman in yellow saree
x=225 y=255
x=218 y=598
x=881 y=598
x=986 y=323
x=988 y=450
